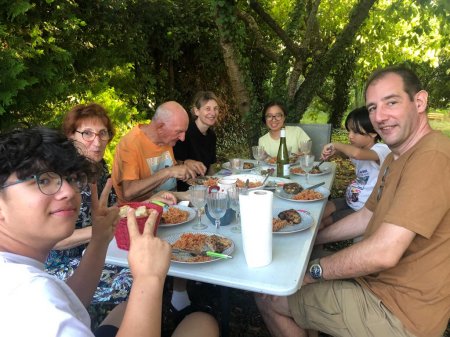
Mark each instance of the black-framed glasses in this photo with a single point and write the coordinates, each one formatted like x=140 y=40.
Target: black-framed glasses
x=50 y=183
x=276 y=117
x=89 y=135
x=381 y=187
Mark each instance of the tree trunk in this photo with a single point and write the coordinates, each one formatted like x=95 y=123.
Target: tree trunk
x=235 y=76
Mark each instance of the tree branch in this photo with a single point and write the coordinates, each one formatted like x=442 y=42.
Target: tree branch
x=290 y=45
x=260 y=43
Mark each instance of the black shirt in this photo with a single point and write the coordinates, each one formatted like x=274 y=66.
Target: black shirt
x=196 y=146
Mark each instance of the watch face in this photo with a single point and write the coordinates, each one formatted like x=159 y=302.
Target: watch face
x=316 y=271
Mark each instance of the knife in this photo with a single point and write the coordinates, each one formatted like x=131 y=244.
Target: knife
x=202 y=253
x=314 y=186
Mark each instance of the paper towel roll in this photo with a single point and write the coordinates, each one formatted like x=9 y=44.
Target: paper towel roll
x=256 y=224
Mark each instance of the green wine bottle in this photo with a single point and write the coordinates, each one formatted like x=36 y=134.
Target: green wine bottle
x=283 y=156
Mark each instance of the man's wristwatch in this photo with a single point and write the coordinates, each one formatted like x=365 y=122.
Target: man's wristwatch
x=315 y=270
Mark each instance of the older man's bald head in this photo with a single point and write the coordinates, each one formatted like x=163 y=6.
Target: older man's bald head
x=169 y=123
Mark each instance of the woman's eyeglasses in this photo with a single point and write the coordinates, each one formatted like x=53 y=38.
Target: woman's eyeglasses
x=50 y=183
x=276 y=117
x=89 y=135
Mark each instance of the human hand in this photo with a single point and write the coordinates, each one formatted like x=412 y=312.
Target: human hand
x=182 y=172
x=148 y=256
x=165 y=197
x=197 y=166
x=327 y=151
x=104 y=218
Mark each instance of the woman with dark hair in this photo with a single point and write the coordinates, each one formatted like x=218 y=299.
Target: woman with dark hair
x=200 y=140
x=274 y=115
x=366 y=154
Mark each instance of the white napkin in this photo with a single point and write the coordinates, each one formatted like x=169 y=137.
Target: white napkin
x=256 y=223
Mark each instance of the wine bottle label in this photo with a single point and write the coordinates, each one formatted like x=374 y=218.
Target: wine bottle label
x=286 y=170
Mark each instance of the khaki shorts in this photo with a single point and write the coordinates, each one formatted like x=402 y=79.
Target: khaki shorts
x=344 y=308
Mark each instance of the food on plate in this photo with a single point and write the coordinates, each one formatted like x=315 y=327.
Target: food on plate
x=286 y=218
x=217 y=243
x=174 y=215
x=292 y=188
x=308 y=195
x=251 y=184
x=278 y=224
x=196 y=242
x=248 y=166
x=270 y=171
x=273 y=160
x=206 y=181
x=299 y=170
x=291 y=216
x=141 y=211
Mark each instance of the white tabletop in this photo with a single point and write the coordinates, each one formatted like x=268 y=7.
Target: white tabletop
x=283 y=276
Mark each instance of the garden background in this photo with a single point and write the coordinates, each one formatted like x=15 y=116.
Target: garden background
x=132 y=55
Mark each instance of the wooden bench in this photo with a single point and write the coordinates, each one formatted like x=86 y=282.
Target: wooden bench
x=436 y=116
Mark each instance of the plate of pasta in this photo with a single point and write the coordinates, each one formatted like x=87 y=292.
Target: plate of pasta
x=198 y=242
x=205 y=181
x=176 y=215
x=254 y=181
x=323 y=169
x=316 y=194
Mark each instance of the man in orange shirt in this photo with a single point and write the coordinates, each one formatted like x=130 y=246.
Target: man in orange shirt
x=144 y=162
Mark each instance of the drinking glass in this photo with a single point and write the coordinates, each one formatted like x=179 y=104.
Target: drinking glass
x=235 y=165
x=307 y=163
x=305 y=147
x=258 y=153
x=197 y=195
x=233 y=196
x=217 y=206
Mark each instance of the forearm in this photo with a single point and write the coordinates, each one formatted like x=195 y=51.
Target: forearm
x=354 y=152
x=142 y=189
x=143 y=313
x=380 y=251
x=79 y=237
x=351 y=226
x=85 y=279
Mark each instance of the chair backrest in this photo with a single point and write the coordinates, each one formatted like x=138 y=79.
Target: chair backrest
x=320 y=135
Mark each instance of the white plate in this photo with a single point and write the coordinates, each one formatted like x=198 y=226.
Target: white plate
x=227 y=165
x=274 y=182
x=325 y=168
x=252 y=178
x=275 y=164
x=307 y=221
x=283 y=195
x=171 y=239
x=191 y=216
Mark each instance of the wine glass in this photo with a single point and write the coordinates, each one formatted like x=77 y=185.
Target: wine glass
x=198 y=199
x=233 y=196
x=307 y=163
x=305 y=146
x=217 y=206
x=258 y=153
